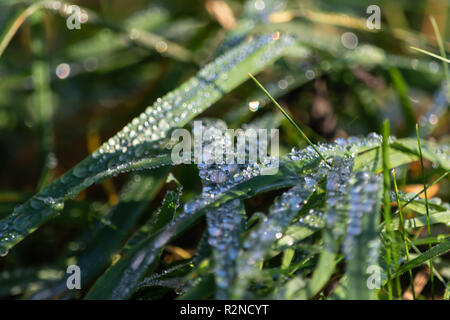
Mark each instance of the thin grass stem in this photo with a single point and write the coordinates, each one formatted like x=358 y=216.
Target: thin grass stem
x=289 y=118
x=427 y=209
x=402 y=231
x=387 y=202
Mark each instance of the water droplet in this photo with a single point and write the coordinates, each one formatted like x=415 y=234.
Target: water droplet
x=253 y=105
x=349 y=40
x=63 y=70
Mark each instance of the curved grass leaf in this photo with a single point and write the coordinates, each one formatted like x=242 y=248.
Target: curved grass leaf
x=139 y=144
x=435 y=251
x=433 y=152
x=15 y=24
x=435 y=218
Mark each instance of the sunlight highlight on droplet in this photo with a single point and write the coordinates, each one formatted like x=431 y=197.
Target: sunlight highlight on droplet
x=63 y=70
x=253 y=105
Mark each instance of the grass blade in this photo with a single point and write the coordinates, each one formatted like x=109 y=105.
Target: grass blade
x=435 y=251
x=289 y=118
x=140 y=143
x=402 y=231
x=387 y=201
x=427 y=208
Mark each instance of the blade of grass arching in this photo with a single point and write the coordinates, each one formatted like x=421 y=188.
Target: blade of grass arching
x=434 y=240
x=373 y=159
x=402 y=90
x=418 y=205
x=9 y=32
x=439 y=153
x=123 y=276
x=140 y=144
x=435 y=251
x=442 y=217
x=427 y=208
x=402 y=231
x=387 y=202
x=108 y=239
x=423 y=190
x=289 y=118
x=436 y=273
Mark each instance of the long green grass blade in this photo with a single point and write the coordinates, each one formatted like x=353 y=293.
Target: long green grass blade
x=304 y=136
x=140 y=143
x=387 y=202
x=426 y=206
x=435 y=251
x=401 y=226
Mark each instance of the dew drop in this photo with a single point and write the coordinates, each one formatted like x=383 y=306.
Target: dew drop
x=253 y=105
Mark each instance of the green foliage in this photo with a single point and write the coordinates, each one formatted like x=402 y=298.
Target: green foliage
x=311 y=230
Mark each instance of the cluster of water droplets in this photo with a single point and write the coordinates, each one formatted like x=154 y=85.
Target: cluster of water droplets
x=337 y=188
x=179 y=106
x=20 y=223
x=144 y=137
x=364 y=197
x=272 y=228
x=349 y=146
x=226 y=222
x=219 y=178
